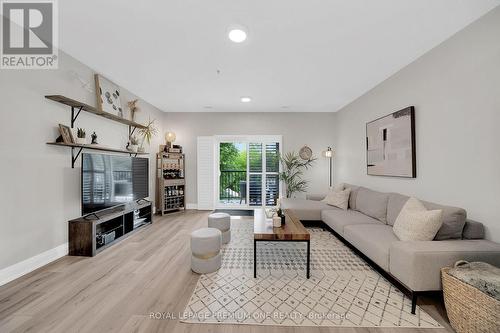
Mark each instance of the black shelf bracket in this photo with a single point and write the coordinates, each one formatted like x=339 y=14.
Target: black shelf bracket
x=131 y=130
x=73 y=116
x=75 y=157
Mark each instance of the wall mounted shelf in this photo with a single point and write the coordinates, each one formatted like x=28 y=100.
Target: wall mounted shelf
x=78 y=147
x=79 y=106
x=76 y=108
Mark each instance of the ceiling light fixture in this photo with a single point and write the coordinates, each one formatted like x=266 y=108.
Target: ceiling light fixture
x=245 y=99
x=237 y=35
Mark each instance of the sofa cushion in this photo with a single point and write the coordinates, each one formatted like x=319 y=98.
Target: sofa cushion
x=473 y=230
x=373 y=240
x=453 y=221
x=337 y=219
x=353 y=195
x=416 y=223
x=306 y=210
x=372 y=203
x=395 y=203
x=453 y=217
x=418 y=264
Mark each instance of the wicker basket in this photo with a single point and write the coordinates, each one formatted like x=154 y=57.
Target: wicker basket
x=469 y=309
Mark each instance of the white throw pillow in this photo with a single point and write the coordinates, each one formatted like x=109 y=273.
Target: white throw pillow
x=338 y=199
x=337 y=188
x=416 y=223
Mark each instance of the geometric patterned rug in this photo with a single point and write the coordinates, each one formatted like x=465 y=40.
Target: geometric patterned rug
x=343 y=290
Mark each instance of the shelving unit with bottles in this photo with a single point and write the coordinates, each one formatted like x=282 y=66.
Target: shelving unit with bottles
x=170 y=182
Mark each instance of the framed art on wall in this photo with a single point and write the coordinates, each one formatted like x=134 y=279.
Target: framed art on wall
x=390 y=145
x=108 y=96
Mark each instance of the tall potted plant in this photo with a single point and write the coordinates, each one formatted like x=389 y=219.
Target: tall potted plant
x=293 y=169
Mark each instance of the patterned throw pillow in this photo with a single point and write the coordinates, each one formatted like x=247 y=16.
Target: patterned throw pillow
x=416 y=223
x=338 y=199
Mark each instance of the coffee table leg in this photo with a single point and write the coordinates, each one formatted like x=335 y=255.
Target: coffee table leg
x=308 y=258
x=254 y=258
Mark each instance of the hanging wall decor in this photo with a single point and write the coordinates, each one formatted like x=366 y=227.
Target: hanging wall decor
x=390 y=145
x=108 y=96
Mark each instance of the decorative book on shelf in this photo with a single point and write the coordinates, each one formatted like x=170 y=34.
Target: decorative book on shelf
x=170 y=181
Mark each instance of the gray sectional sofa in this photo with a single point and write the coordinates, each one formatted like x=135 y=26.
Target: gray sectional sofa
x=415 y=265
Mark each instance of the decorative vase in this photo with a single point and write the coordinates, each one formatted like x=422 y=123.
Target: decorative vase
x=134 y=148
x=81 y=141
x=276 y=221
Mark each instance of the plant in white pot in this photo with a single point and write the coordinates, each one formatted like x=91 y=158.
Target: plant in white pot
x=81 y=138
x=147 y=134
x=134 y=144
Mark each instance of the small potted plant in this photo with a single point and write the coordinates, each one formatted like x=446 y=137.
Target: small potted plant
x=134 y=144
x=81 y=136
x=147 y=134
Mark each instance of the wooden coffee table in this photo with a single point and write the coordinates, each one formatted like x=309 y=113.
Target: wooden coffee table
x=291 y=231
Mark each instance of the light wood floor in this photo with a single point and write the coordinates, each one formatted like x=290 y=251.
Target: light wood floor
x=117 y=290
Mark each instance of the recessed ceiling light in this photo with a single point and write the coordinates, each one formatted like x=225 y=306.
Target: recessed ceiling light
x=237 y=35
x=245 y=99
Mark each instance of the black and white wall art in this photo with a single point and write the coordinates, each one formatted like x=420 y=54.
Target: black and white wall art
x=108 y=96
x=390 y=145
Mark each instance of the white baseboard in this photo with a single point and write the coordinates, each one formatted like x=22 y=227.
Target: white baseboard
x=191 y=206
x=24 y=267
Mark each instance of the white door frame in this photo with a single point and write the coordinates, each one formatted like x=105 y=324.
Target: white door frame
x=243 y=139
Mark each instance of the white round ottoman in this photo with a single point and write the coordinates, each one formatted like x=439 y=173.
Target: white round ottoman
x=221 y=221
x=205 y=249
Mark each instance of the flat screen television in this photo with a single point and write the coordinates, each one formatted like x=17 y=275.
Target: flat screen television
x=109 y=180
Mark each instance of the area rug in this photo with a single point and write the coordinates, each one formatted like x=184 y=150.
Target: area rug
x=343 y=290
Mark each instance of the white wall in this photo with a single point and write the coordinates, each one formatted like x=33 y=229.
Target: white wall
x=314 y=129
x=455 y=89
x=39 y=192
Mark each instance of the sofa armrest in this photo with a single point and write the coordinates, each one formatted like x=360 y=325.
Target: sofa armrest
x=418 y=263
x=315 y=197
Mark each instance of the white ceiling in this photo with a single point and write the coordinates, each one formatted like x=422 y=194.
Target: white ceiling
x=301 y=55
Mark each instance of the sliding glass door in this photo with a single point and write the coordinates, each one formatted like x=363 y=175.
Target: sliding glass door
x=248 y=173
x=233 y=173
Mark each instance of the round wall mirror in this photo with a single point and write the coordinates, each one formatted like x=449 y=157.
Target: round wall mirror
x=305 y=153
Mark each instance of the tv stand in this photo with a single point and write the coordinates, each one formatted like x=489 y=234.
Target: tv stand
x=89 y=236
